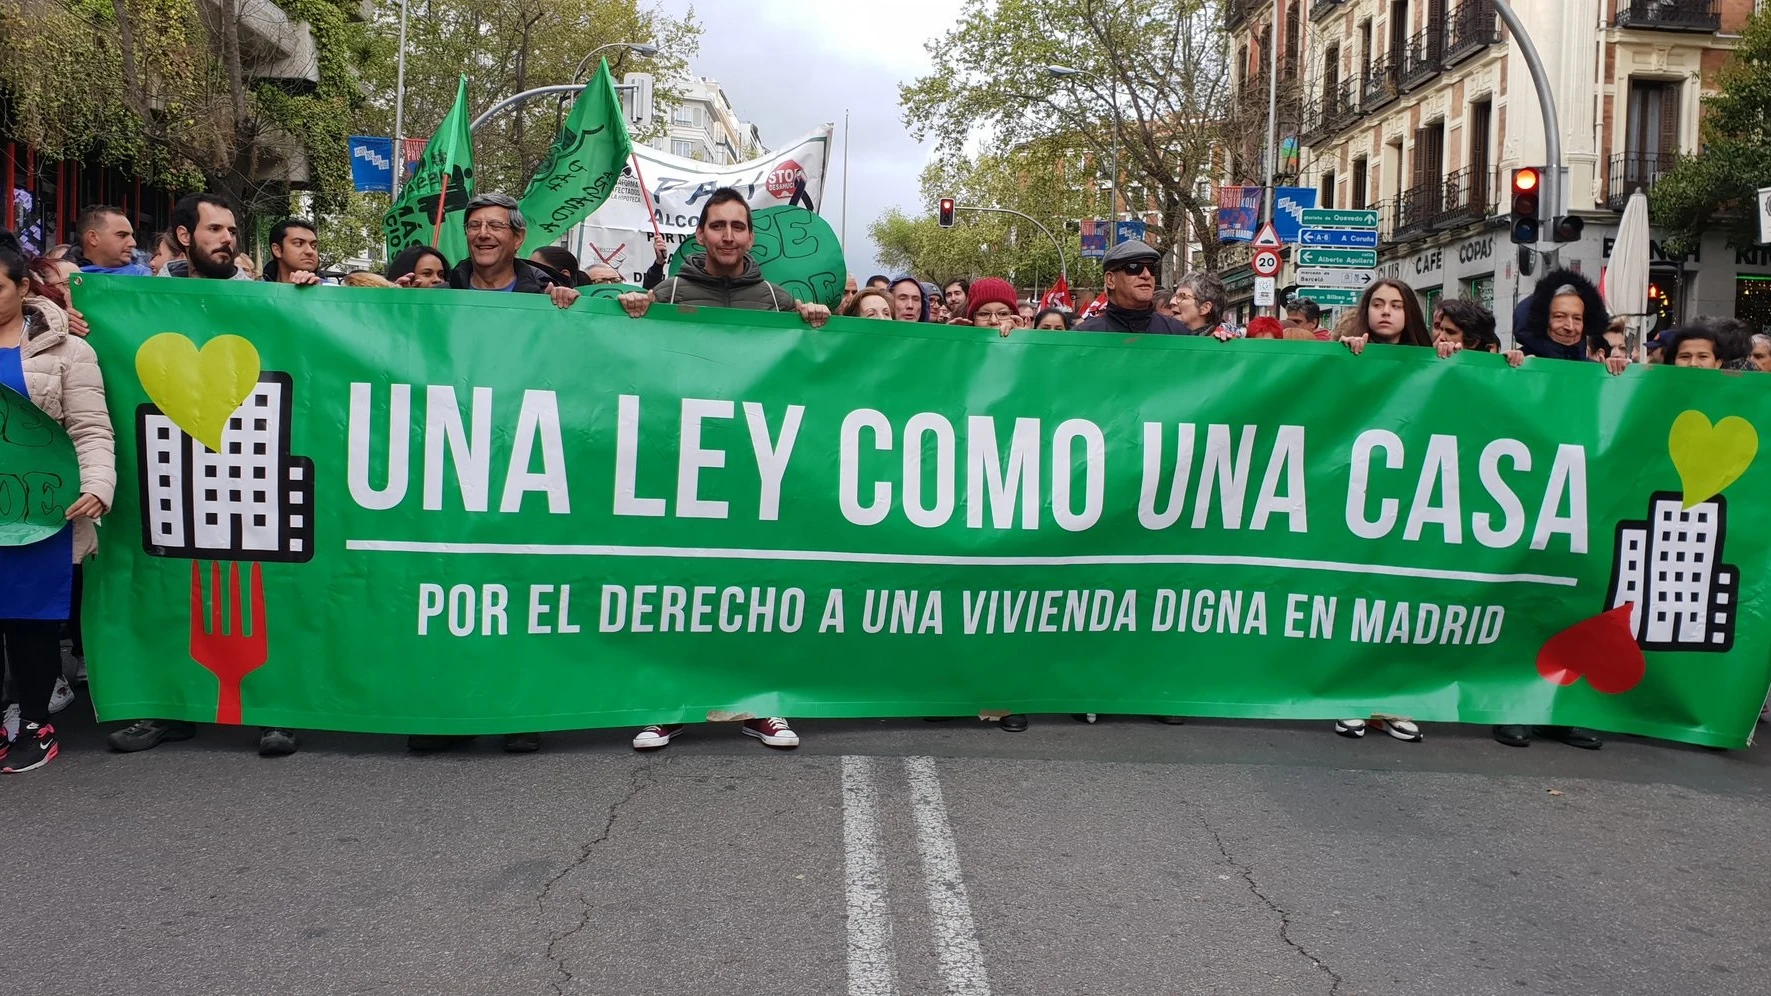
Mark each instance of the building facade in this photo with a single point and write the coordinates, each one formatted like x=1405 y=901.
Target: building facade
x=701 y=126
x=1422 y=109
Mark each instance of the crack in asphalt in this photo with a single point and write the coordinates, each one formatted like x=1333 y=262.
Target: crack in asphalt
x=1254 y=889
x=639 y=781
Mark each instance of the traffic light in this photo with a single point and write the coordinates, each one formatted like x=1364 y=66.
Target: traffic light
x=945 y=215
x=1567 y=228
x=1527 y=186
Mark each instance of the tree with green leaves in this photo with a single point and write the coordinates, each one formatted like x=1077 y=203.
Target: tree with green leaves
x=1044 y=180
x=1717 y=187
x=1153 y=74
x=181 y=91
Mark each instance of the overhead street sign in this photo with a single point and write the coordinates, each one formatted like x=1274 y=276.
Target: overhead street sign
x=1353 y=237
x=1340 y=218
x=1363 y=259
x=1264 y=262
x=1329 y=297
x=1318 y=276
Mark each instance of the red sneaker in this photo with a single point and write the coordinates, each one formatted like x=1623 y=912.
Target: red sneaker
x=773 y=731
x=35 y=747
x=654 y=737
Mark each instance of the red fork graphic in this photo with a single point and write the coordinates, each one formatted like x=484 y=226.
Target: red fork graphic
x=232 y=654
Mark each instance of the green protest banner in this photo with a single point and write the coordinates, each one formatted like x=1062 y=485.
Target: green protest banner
x=794 y=248
x=581 y=168
x=39 y=477
x=444 y=174
x=587 y=520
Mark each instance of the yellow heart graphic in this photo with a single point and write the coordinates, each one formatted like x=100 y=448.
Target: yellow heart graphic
x=1710 y=457
x=199 y=392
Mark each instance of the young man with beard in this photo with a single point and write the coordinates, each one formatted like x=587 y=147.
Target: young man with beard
x=956 y=294
x=203 y=226
x=495 y=229
x=724 y=276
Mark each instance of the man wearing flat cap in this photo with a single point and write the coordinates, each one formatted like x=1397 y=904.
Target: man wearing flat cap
x=1131 y=293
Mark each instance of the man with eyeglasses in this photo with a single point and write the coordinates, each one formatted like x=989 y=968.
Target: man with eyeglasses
x=495 y=229
x=1131 y=293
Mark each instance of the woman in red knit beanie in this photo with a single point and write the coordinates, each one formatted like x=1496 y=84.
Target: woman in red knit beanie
x=992 y=303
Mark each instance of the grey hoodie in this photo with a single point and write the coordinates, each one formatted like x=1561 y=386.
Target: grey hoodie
x=696 y=287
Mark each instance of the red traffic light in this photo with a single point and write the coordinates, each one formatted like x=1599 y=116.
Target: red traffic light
x=1525 y=180
x=945 y=215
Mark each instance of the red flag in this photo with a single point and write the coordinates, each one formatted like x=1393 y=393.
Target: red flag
x=1058 y=296
x=1099 y=304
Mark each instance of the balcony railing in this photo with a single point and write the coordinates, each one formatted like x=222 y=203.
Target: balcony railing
x=1322 y=8
x=1670 y=15
x=1236 y=11
x=1340 y=106
x=1633 y=171
x=1469 y=28
x=1417 y=209
x=1471 y=195
x=1421 y=59
x=1381 y=85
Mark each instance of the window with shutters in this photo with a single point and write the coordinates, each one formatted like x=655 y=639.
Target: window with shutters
x=1325 y=198
x=1358 y=195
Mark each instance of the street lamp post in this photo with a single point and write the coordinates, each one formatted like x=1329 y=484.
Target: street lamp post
x=1113 y=187
x=641 y=49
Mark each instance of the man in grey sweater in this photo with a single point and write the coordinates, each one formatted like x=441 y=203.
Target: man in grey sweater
x=724 y=276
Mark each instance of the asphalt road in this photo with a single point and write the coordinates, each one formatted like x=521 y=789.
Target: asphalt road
x=894 y=857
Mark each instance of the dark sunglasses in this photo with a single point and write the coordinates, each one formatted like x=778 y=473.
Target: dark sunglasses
x=1135 y=269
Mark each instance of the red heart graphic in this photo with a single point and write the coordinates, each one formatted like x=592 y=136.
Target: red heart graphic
x=1603 y=650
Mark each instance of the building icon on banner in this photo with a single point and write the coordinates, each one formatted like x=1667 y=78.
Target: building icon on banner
x=251 y=501
x=1668 y=567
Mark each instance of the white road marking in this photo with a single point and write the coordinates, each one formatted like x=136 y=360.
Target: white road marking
x=942 y=560
x=956 y=935
x=870 y=918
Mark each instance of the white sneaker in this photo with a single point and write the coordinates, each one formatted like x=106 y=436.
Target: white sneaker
x=773 y=731
x=1350 y=727
x=654 y=737
x=9 y=722
x=61 y=697
x=1403 y=729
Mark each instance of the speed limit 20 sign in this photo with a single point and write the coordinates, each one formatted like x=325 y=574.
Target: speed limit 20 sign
x=1264 y=263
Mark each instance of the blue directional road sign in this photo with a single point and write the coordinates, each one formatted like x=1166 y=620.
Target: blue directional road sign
x=1350 y=237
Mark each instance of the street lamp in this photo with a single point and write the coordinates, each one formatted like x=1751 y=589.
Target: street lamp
x=1063 y=72
x=641 y=49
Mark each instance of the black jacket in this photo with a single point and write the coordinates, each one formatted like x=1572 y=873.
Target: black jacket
x=693 y=285
x=1534 y=338
x=1113 y=318
x=531 y=279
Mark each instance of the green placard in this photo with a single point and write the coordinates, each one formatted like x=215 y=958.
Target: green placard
x=1329 y=297
x=1339 y=218
x=39 y=476
x=1355 y=259
x=590 y=520
x=795 y=248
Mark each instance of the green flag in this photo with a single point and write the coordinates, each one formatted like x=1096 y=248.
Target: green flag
x=582 y=168
x=444 y=174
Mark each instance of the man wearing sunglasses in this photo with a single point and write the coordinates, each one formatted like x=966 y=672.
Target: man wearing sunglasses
x=1131 y=293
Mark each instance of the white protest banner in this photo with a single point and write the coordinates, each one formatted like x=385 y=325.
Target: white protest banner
x=619 y=234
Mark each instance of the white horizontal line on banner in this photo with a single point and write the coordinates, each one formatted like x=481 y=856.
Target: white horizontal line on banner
x=938 y=560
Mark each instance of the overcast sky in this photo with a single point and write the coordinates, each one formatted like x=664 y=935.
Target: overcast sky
x=791 y=65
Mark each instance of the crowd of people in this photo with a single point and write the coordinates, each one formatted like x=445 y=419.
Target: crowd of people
x=44 y=356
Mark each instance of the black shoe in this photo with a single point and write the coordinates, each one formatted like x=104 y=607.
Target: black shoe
x=146 y=734
x=1170 y=720
x=277 y=743
x=1573 y=736
x=426 y=743
x=1014 y=723
x=1513 y=736
x=522 y=743
x=35 y=747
